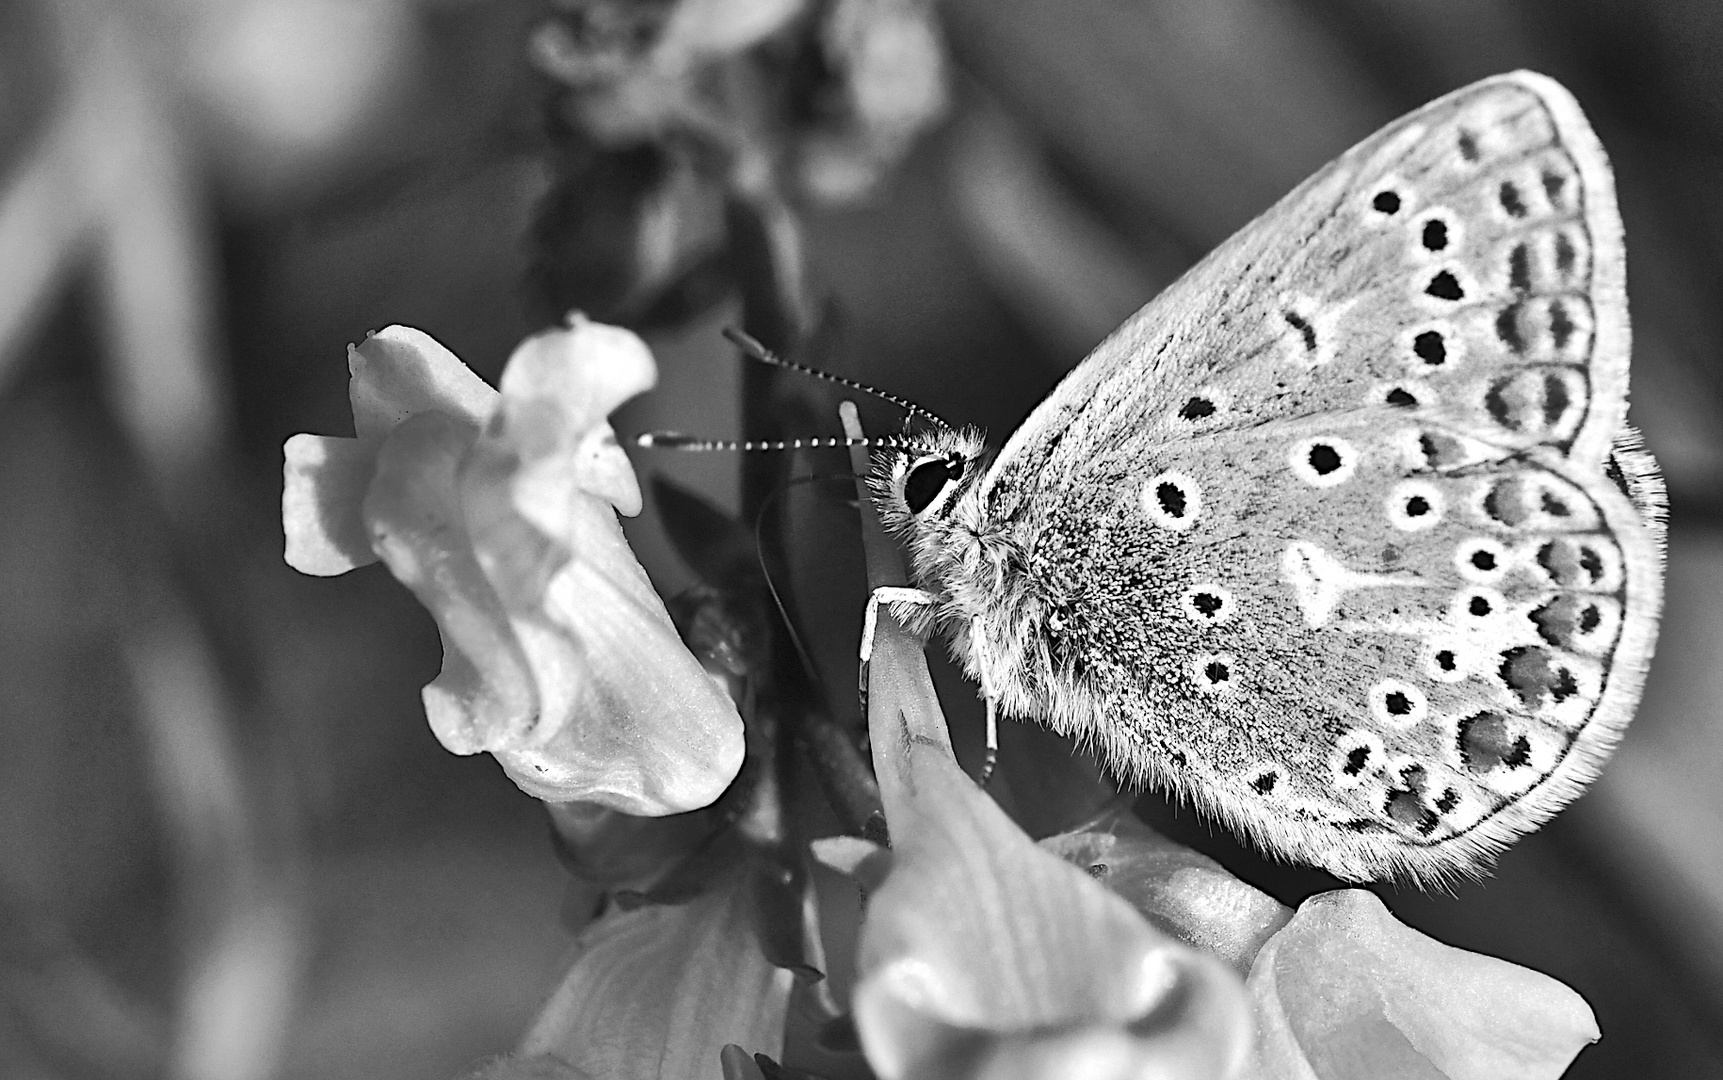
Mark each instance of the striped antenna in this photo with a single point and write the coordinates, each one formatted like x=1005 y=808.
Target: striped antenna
x=752 y=349
x=670 y=440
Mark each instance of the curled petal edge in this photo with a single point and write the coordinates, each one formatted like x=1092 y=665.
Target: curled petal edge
x=399 y=372
x=323 y=482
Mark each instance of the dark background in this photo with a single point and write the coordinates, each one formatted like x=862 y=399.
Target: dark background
x=224 y=824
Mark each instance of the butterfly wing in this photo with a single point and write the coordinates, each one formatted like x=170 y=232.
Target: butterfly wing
x=1329 y=528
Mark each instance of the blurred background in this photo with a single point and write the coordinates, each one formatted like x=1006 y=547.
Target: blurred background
x=230 y=846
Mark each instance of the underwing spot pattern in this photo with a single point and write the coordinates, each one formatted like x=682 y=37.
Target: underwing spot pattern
x=1488 y=741
x=1196 y=408
x=1356 y=756
x=1266 y=779
x=1397 y=703
x=1431 y=348
x=1534 y=275
x=1436 y=231
x=1474 y=608
x=1414 y=505
x=1214 y=674
x=1447 y=659
x=1207 y=604
x=1172 y=501
x=1445 y=285
x=1308 y=331
x=1530 y=630
x=1433 y=450
x=1544 y=402
x=1481 y=559
x=1324 y=461
x=1379 y=424
x=1202 y=408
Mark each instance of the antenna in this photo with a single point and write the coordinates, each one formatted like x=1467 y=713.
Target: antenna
x=752 y=349
x=670 y=440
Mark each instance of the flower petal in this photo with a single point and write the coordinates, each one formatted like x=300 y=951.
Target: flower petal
x=323 y=487
x=399 y=372
x=486 y=693
x=651 y=733
x=1347 y=991
x=982 y=952
x=626 y=715
x=1182 y=892
x=556 y=392
x=658 y=991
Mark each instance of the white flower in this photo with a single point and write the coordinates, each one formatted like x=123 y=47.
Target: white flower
x=498 y=510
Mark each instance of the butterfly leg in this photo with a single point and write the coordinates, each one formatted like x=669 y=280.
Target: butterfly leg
x=902 y=603
x=991 y=757
x=897 y=600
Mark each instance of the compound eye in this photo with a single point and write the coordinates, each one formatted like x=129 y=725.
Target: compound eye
x=927 y=478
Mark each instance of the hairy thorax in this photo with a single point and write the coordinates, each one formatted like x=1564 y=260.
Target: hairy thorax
x=990 y=605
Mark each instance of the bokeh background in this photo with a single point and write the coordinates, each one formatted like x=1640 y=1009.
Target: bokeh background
x=230 y=846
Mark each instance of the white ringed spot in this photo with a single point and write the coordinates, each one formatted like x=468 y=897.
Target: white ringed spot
x=1482 y=560
x=1477 y=606
x=1414 y=505
x=1207 y=604
x=1214 y=674
x=1357 y=754
x=1398 y=704
x=1436 y=231
x=1447 y=660
x=1432 y=345
x=1172 y=500
x=1323 y=461
x=1387 y=201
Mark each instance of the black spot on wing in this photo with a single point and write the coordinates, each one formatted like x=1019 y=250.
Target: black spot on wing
x=1520 y=269
x=1445 y=286
x=1511 y=199
x=1508 y=329
x=1430 y=347
x=1302 y=325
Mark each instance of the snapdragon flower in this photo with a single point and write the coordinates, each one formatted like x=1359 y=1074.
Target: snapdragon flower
x=498 y=510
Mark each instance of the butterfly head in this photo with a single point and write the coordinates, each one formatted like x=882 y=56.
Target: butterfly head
x=929 y=495
x=920 y=482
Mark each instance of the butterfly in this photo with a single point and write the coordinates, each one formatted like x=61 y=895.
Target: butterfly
x=1343 y=538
